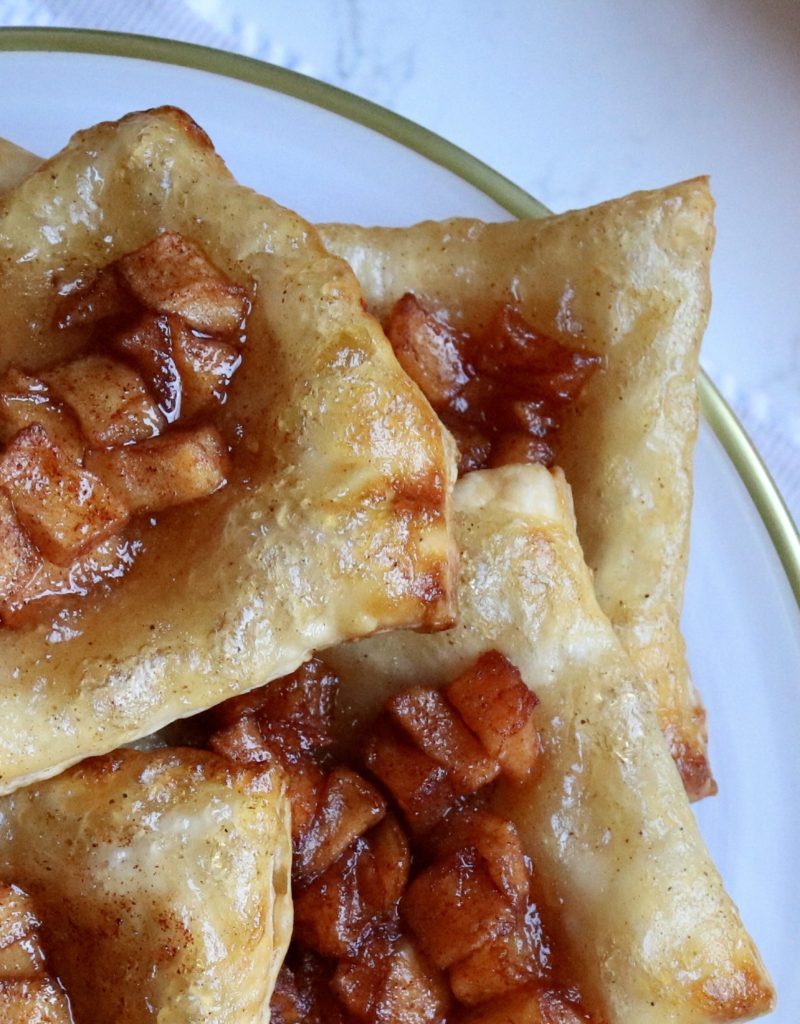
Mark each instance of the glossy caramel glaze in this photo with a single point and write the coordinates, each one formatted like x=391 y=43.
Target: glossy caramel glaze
x=628 y=280
x=334 y=523
x=632 y=898
x=162 y=881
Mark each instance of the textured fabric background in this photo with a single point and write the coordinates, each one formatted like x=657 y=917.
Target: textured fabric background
x=576 y=102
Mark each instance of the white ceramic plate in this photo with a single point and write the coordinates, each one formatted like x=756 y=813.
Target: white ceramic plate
x=741 y=620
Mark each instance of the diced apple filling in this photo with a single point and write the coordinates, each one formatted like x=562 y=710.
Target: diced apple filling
x=454 y=906
x=433 y=726
x=25 y=400
x=109 y=399
x=498 y=707
x=533 y=1004
x=421 y=787
x=181 y=466
x=465 y=930
x=390 y=981
x=172 y=275
x=426 y=347
x=103 y=297
x=348 y=807
x=19 y=559
x=147 y=343
x=206 y=366
x=50 y=586
x=65 y=509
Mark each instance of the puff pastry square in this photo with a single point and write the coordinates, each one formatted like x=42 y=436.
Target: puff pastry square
x=162 y=882
x=627 y=279
x=335 y=524
x=633 y=901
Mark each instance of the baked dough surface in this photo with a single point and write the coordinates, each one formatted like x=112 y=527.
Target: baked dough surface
x=627 y=279
x=163 y=884
x=335 y=521
x=634 y=903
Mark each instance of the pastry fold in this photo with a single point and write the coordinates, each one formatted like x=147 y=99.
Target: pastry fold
x=628 y=279
x=633 y=902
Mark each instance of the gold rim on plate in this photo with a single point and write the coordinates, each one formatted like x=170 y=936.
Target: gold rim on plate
x=740 y=449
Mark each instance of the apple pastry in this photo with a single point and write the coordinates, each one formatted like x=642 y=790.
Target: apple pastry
x=212 y=463
x=487 y=824
x=423 y=777
x=625 y=283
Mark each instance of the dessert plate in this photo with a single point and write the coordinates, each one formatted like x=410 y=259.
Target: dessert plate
x=335 y=157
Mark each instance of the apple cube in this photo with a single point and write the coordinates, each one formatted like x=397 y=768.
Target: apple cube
x=25 y=400
x=329 y=914
x=295 y=712
x=348 y=807
x=109 y=399
x=383 y=877
x=104 y=296
x=147 y=344
x=19 y=559
x=426 y=347
x=181 y=466
x=65 y=509
x=453 y=907
x=172 y=275
x=206 y=367
x=496 y=841
x=498 y=966
x=49 y=589
x=498 y=707
x=432 y=725
x=421 y=787
x=390 y=981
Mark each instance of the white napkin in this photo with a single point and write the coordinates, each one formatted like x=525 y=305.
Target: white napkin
x=770 y=417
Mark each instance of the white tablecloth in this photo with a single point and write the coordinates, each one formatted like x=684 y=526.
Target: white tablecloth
x=576 y=101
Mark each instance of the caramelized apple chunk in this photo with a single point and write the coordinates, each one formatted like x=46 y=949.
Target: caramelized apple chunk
x=513 y=349
x=421 y=787
x=347 y=808
x=103 y=297
x=389 y=980
x=52 y=587
x=426 y=347
x=25 y=400
x=181 y=466
x=206 y=367
x=172 y=275
x=454 y=906
x=330 y=914
x=295 y=711
x=19 y=559
x=65 y=509
x=496 y=967
x=432 y=725
x=498 y=707
x=384 y=877
x=147 y=343
x=532 y=1004
x=109 y=399
x=496 y=841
